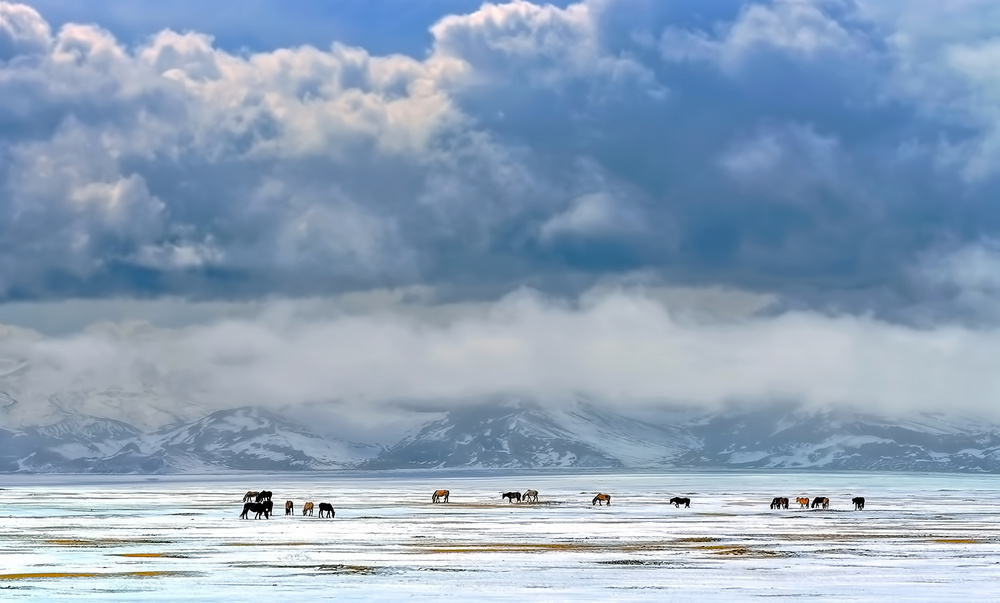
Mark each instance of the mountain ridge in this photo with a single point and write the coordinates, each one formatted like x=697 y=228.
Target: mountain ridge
x=511 y=435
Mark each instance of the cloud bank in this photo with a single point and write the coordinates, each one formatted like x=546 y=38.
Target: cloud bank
x=625 y=347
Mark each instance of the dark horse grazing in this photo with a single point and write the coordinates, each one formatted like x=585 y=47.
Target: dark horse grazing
x=821 y=500
x=511 y=496
x=601 y=499
x=259 y=509
x=289 y=507
x=677 y=501
x=859 y=503
x=326 y=508
x=779 y=502
x=262 y=496
x=440 y=495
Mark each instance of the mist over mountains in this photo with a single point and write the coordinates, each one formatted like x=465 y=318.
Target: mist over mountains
x=514 y=435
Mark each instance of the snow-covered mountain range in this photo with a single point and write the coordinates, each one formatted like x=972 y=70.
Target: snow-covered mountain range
x=509 y=435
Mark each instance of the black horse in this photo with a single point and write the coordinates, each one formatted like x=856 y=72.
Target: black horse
x=779 y=502
x=511 y=496
x=259 y=509
x=326 y=508
x=262 y=496
x=859 y=503
x=821 y=500
x=677 y=501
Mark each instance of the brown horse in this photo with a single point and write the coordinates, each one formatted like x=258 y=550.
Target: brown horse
x=326 y=510
x=307 y=509
x=779 y=502
x=249 y=496
x=803 y=502
x=530 y=496
x=289 y=507
x=440 y=496
x=601 y=499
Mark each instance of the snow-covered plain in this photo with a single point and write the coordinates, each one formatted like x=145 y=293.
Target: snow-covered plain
x=922 y=537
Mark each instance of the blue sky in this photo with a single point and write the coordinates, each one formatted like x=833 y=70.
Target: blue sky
x=381 y=26
x=763 y=159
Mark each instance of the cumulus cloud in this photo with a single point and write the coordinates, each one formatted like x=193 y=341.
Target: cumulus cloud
x=800 y=28
x=596 y=214
x=799 y=148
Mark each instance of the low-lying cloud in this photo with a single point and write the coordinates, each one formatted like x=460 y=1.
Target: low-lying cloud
x=622 y=347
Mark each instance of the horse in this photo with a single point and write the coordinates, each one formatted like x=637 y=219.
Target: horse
x=440 y=496
x=307 y=509
x=250 y=495
x=530 y=496
x=821 y=500
x=601 y=499
x=264 y=495
x=289 y=508
x=511 y=496
x=678 y=501
x=779 y=502
x=859 y=503
x=803 y=502
x=258 y=508
x=326 y=508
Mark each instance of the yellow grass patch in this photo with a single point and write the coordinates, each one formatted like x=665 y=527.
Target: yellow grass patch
x=742 y=551
x=101 y=542
x=957 y=541
x=267 y=544
x=347 y=569
x=29 y=576
x=825 y=537
x=168 y=555
x=580 y=547
x=517 y=548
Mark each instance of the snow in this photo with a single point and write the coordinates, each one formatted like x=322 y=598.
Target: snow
x=928 y=537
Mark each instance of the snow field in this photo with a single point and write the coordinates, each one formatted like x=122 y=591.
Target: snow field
x=179 y=538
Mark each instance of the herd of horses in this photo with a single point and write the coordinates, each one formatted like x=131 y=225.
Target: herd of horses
x=780 y=502
x=260 y=504
x=529 y=496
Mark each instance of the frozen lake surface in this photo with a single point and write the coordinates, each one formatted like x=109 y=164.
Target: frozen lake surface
x=179 y=538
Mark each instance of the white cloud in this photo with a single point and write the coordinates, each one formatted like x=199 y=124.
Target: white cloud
x=22 y=31
x=788 y=162
x=593 y=214
x=799 y=28
x=938 y=57
x=544 y=46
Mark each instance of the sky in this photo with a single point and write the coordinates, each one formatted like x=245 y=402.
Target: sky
x=634 y=200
